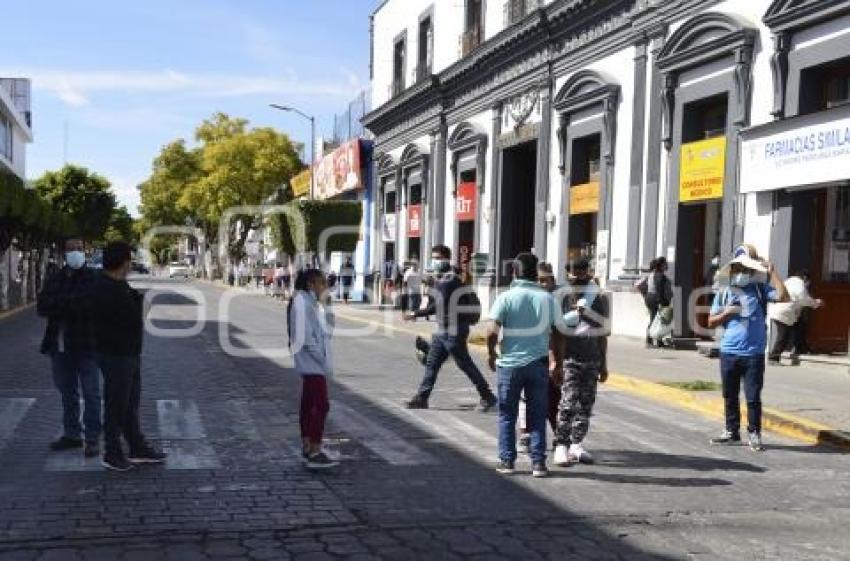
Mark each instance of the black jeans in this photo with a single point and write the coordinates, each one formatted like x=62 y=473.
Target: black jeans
x=750 y=369
x=443 y=346
x=122 y=393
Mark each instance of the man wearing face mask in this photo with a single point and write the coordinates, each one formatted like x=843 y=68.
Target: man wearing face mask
x=117 y=313
x=69 y=341
x=741 y=308
x=452 y=333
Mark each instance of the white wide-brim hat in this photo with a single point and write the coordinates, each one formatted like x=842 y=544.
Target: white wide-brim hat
x=743 y=257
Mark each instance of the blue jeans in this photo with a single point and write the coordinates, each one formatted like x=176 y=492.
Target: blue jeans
x=750 y=369
x=72 y=371
x=533 y=380
x=443 y=346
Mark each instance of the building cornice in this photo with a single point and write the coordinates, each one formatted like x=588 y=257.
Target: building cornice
x=789 y=15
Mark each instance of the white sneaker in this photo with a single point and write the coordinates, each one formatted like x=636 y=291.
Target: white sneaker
x=561 y=456
x=577 y=454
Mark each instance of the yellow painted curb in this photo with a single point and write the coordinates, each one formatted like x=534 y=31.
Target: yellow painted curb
x=779 y=422
x=10 y=313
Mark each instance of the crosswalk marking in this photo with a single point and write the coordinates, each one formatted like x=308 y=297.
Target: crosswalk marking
x=12 y=410
x=179 y=420
x=380 y=440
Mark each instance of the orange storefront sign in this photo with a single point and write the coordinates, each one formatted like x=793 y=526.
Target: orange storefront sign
x=465 y=201
x=584 y=198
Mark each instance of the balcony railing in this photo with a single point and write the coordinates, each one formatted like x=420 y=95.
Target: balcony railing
x=515 y=10
x=469 y=39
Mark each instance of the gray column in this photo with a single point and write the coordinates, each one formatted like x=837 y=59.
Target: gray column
x=780 y=233
x=541 y=202
x=653 y=163
x=495 y=191
x=439 y=159
x=634 y=234
x=428 y=202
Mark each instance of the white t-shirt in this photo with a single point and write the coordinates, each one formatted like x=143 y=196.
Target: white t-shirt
x=413 y=280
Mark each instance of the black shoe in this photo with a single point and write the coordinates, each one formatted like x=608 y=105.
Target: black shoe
x=540 y=470
x=147 y=455
x=505 y=467
x=92 y=450
x=417 y=403
x=116 y=462
x=422 y=350
x=726 y=438
x=320 y=460
x=487 y=403
x=66 y=443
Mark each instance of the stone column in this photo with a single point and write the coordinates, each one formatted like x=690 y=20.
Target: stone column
x=541 y=202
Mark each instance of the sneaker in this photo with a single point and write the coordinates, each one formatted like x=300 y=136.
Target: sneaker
x=524 y=444
x=92 y=450
x=147 y=455
x=539 y=470
x=417 y=403
x=66 y=443
x=755 y=442
x=320 y=460
x=725 y=439
x=578 y=455
x=505 y=467
x=116 y=462
x=487 y=403
x=562 y=456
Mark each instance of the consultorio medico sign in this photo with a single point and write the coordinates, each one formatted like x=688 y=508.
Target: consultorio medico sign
x=801 y=151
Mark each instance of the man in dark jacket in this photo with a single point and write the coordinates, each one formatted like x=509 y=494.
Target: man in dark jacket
x=69 y=341
x=452 y=332
x=117 y=311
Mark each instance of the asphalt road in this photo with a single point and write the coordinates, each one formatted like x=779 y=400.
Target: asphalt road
x=223 y=400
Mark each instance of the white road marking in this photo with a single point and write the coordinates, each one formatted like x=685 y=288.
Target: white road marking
x=380 y=440
x=12 y=411
x=179 y=420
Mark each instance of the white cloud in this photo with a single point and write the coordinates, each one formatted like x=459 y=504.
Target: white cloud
x=75 y=88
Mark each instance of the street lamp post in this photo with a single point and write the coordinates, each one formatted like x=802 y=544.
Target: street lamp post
x=312 y=142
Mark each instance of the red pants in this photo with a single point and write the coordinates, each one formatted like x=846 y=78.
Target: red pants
x=314 y=407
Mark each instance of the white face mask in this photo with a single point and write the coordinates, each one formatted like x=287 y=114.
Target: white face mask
x=741 y=279
x=75 y=259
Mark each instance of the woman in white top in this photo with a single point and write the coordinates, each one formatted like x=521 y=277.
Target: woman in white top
x=310 y=330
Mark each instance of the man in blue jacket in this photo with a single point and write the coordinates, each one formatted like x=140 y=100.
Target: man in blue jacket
x=452 y=302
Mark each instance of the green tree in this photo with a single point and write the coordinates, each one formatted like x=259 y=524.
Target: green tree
x=84 y=196
x=121 y=226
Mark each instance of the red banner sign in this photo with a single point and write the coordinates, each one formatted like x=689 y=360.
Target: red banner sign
x=339 y=171
x=414 y=221
x=465 y=201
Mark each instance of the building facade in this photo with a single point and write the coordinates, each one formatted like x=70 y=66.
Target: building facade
x=618 y=131
x=15 y=134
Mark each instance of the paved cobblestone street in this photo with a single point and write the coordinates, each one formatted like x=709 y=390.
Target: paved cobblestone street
x=412 y=484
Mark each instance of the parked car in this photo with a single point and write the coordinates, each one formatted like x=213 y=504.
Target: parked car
x=178 y=270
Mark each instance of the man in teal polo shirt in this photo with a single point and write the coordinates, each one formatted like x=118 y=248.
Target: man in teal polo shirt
x=525 y=314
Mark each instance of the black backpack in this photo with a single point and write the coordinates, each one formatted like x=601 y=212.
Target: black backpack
x=472 y=307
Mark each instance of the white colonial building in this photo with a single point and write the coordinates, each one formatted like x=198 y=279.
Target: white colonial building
x=619 y=131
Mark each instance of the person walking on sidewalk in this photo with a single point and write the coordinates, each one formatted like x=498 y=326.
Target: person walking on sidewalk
x=310 y=333
x=741 y=308
x=584 y=346
x=657 y=292
x=346 y=276
x=69 y=341
x=412 y=286
x=454 y=305
x=785 y=319
x=525 y=315
x=118 y=316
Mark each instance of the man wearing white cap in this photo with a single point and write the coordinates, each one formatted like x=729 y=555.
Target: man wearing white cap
x=740 y=307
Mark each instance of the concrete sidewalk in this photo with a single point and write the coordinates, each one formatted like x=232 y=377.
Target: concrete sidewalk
x=807 y=402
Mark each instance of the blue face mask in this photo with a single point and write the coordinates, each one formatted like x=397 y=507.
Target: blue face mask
x=75 y=259
x=741 y=279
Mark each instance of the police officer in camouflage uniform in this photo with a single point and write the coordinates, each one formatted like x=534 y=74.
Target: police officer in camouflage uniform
x=584 y=347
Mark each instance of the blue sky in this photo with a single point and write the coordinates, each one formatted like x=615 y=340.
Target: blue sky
x=128 y=77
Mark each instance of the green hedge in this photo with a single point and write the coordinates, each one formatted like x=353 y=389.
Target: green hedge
x=25 y=215
x=318 y=216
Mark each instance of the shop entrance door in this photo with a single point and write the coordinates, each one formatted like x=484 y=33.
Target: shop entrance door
x=516 y=231
x=697 y=243
x=820 y=244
